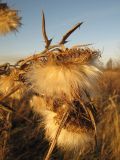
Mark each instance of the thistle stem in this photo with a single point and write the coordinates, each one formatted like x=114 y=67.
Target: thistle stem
x=62 y=122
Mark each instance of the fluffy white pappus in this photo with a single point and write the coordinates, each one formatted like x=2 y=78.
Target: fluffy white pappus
x=67 y=141
x=38 y=104
x=56 y=80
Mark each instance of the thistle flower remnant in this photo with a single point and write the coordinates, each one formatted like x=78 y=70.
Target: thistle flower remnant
x=61 y=82
x=65 y=73
x=65 y=79
x=9 y=19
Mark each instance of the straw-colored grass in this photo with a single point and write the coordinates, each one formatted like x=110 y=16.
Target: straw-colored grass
x=23 y=130
x=24 y=139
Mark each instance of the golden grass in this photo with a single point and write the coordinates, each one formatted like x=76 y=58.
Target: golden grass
x=108 y=138
x=109 y=130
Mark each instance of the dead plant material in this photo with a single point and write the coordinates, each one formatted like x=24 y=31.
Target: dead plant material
x=62 y=123
x=9 y=19
x=13 y=90
x=54 y=77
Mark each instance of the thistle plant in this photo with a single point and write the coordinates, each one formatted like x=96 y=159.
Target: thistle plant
x=61 y=82
x=9 y=19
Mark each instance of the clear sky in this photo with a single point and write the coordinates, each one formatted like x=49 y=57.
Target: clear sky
x=101 y=26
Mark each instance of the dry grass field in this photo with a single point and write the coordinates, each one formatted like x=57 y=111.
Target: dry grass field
x=22 y=138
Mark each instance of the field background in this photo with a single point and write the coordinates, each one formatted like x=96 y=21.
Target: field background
x=22 y=136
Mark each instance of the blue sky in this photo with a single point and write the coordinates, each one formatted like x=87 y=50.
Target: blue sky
x=101 y=26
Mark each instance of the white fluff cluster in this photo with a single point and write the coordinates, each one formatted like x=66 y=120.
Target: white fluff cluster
x=53 y=80
x=67 y=141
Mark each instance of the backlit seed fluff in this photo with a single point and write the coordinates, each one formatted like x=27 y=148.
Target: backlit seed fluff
x=9 y=20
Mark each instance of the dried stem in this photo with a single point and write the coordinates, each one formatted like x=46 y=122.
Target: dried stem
x=63 y=41
x=64 y=118
x=47 y=41
x=13 y=90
